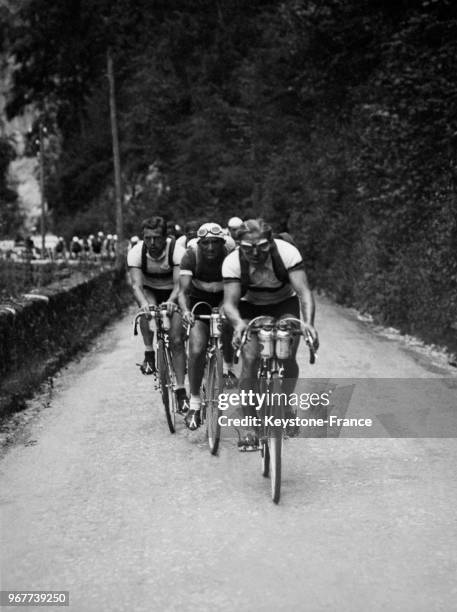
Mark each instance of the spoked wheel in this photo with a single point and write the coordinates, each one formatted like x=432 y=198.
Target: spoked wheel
x=265 y=456
x=272 y=442
x=166 y=386
x=275 y=452
x=214 y=385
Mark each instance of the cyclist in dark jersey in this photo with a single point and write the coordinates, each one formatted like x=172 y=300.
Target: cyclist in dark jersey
x=201 y=281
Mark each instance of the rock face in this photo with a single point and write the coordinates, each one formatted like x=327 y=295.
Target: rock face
x=23 y=170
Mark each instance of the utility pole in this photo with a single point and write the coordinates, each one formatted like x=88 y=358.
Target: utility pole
x=116 y=159
x=42 y=131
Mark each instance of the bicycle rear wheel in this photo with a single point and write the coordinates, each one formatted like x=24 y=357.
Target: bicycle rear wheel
x=166 y=386
x=214 y=386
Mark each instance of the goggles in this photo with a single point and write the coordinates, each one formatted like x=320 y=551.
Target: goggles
x=211 y=230
x=261 y=245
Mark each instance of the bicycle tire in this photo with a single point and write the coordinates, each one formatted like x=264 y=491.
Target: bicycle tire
x=166 y=388
x=274 y=440
x=275 y=452
x=214 y=386
x=265 y=455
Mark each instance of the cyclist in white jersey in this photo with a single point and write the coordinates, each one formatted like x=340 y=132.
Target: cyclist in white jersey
x=270 y=273
x=154 y=273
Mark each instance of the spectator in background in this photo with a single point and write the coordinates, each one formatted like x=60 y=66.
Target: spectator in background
x=171 y=232
x=29 y=248
x=190 y=230
x=75 y=248
x=85 y=248
x=97 y=244
x=60 y=249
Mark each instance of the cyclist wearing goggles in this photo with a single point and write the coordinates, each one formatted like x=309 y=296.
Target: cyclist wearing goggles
x=201 y=281
x=154 y=277
x=271 y=273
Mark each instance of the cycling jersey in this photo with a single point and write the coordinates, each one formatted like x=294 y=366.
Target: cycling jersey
x=206 y=274
x=264 y=286
x=159 y=272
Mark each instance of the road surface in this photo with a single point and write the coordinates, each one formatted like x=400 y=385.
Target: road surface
x=98 y=499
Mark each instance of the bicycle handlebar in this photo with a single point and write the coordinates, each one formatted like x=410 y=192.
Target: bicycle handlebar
x=153 y=309
x=304 y=332
x=202 y=317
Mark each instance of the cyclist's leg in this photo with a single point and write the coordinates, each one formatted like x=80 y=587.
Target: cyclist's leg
x=147 y=328
x=177 y=348
x=198 y=339
x=248 y=378
x=289 y=308
x=230 y=380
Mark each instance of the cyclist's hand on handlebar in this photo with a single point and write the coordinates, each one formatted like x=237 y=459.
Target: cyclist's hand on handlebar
x=145 y=310
x=188 y=318
x=314 y=335
x=171 y=307
x=238 y=334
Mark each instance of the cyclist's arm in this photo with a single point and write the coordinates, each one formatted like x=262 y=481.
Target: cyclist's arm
x=174 y=294
x=185 y=283
x=136 y=281
x=299 y=282
x=232 y=295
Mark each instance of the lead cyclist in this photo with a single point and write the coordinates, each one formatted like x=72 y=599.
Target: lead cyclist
x=270 y=272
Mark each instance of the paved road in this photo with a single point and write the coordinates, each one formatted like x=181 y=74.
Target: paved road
x=98 y=499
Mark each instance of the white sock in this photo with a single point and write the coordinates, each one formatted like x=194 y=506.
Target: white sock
x=148 y=348
x=194 y=403
x=226 y=367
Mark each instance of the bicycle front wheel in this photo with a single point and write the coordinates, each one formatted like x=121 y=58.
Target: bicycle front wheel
x=166 y=385
x=275 y=452
x=265 y=455
x=272 y=449
x=213 y=389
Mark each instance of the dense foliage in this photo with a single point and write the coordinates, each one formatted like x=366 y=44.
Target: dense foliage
x=337 y=115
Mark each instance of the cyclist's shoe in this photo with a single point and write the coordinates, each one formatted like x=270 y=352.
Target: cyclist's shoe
x=230 y=380
x=192 y=419
x=149 y=364
x=249 y=443
x=182 y=401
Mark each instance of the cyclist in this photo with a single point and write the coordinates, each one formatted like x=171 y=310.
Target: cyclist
x=271 y=272
x=190 y=232
x=154 y=273
x=233 y=225
x=201 y=281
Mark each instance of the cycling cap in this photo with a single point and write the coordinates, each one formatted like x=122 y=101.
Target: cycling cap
x=213 y=230
x=234 y=222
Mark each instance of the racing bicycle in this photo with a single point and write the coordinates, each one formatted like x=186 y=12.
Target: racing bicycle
x=275 y=338
x=165 y=375
x=213 y=381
